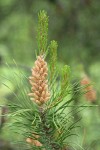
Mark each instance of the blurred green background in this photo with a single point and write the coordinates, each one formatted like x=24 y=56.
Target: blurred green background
x=75 y=25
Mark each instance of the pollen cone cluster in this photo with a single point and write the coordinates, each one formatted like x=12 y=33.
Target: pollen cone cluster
x=34 y=142
x=40 y=93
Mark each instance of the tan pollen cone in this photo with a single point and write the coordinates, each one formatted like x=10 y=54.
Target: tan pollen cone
x=40 y=93
x=34 y=142
x=91 y=93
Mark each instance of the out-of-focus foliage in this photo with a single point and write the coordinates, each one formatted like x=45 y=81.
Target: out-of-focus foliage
x=75 y=25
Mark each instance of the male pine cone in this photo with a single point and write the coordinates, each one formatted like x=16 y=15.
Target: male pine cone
x=40 y=93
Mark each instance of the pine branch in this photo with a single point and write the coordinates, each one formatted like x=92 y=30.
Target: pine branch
x=46 y=129
x=41 y=113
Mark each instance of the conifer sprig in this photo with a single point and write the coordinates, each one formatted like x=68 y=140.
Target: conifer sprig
x=45 y=121
x=53 y=59
x=42 y=32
